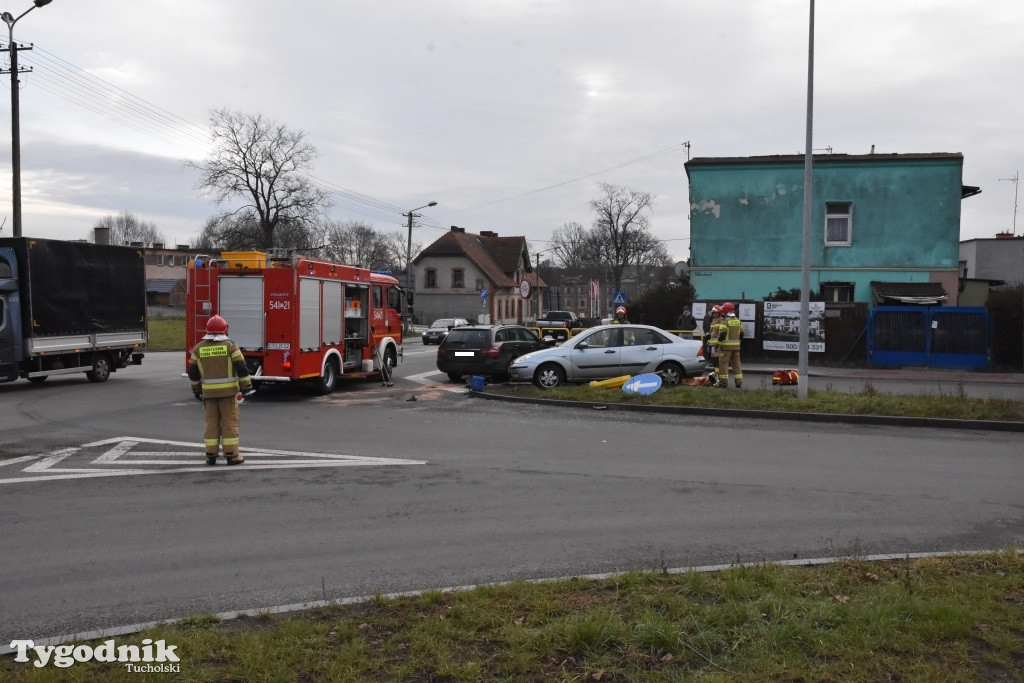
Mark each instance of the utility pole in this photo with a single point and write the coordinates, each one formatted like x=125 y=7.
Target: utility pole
x=1016 y=186
x=408 y=265
x=11 y=20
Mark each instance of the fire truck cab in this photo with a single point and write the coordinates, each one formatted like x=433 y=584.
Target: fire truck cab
x=297 y=319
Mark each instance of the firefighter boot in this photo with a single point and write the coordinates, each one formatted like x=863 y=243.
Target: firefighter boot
x=234 y=458
x=211 y=459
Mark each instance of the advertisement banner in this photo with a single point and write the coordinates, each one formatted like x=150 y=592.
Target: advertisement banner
x=782 y=326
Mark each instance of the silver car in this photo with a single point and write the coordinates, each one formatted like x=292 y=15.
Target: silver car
x=610 y=351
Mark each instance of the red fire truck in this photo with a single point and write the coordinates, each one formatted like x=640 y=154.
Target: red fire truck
x=296 y=319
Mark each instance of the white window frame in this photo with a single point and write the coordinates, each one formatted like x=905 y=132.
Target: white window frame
x=839 y=211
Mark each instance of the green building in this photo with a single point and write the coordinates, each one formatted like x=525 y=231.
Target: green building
x=884 y=227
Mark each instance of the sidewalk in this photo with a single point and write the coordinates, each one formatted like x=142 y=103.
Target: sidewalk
x=908 y=374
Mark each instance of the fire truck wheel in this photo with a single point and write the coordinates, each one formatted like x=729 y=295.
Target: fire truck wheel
x=329 y=380
x=100 y=368
x=391 y=358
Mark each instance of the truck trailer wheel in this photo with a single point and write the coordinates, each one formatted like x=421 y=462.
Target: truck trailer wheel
x=101 y=368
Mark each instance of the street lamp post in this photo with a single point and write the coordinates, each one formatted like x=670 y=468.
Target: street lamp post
x=408 y=263
x=10 y=20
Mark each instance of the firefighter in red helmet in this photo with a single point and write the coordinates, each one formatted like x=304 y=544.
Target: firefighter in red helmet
x=218 y=373
x=620 y=317
x=731 y=331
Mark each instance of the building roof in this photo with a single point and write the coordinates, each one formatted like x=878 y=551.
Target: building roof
x=497 y=257
x=820 y=158
x=922 y=293
x=163 y=286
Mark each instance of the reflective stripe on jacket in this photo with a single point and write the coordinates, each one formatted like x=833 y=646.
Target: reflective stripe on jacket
x=217 y=369
x=733 y=329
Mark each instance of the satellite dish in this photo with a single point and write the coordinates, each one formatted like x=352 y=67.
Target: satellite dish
x=681 y=269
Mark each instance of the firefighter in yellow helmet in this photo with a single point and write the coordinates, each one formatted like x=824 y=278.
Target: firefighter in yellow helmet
x=620 y=317
x=219 y=376
x=729 y=342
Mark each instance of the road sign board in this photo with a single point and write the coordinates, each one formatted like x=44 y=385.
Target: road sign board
x=644 y=384
x=619 y=298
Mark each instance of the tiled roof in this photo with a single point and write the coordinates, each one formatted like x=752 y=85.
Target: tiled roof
x=497 y=257
x=164 y=286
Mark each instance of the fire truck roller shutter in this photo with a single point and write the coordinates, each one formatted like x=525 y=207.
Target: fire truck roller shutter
x=241 y=304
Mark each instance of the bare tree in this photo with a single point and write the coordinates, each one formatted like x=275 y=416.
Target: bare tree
x=242 y=232
x=575 y=247
x=622 y=227
x=260 y=165
x=397 y=243
x=126 y=228
x=357 y=243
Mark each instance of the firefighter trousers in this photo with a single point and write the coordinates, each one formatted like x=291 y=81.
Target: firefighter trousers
x=221 y=425
x=730 y=360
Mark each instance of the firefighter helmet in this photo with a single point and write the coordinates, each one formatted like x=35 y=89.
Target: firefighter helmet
x=620 y=309
x=717 y=310
x=216 y=325
x=727 y=308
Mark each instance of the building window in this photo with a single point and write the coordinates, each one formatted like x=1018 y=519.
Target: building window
x=838 y=224
x=479 y=284
x=458 y=278
x=430 y=278
x=841 y=292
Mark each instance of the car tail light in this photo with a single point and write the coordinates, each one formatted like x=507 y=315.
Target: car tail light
x=700 y=351
x=287 y=364
x=490 y=352
x=441 y=352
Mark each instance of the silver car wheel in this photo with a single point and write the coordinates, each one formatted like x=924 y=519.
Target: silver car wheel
x=671 y=373
x=549 y=376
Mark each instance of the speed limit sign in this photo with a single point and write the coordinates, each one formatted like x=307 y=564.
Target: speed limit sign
x=524 y=289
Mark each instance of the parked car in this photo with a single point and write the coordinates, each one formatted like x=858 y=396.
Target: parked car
x=485 y=349
x=610 y=351
x=438 y=330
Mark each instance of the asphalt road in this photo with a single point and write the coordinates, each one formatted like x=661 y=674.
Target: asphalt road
x=504 y=491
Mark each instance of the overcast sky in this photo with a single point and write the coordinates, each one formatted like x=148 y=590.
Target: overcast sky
x=507 y=113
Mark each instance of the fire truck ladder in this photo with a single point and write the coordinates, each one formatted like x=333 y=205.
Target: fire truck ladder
x=200 y=293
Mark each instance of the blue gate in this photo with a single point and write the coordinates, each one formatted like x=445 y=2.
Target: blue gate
x=939 y=337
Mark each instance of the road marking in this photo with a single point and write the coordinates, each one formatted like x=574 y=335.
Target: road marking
x=126 y=456
x=421 y=378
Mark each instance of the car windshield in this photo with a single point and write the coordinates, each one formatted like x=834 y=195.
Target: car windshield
x=469 y=337
x=443 y=322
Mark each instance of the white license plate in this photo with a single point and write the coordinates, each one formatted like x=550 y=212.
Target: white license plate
x=465 y=353
x=278 y=346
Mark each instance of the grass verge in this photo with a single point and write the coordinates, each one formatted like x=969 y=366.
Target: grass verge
x=166 y=334
x=869 y=401
x=953 y=618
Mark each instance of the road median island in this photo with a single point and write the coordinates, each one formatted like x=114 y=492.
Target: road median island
x=924 y=617
x=947 y=411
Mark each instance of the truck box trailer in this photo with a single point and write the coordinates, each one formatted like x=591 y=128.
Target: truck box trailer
x=69 y=307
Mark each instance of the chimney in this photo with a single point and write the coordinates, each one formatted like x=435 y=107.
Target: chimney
x=1004 y=235
x=158 y=245
x=488 y=233
x=456 y=228
x=182 y=247
x=102 y=235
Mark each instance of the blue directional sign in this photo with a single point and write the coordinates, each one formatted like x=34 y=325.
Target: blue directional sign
x=618 y=298
x=643 y=385
x=484 y=294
